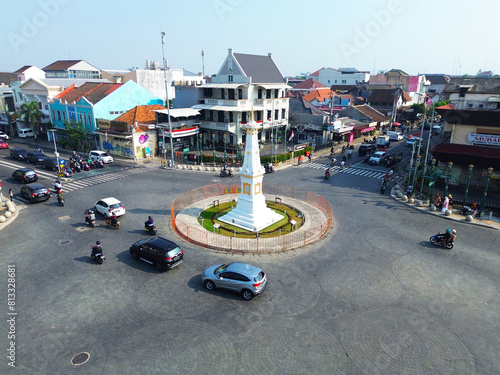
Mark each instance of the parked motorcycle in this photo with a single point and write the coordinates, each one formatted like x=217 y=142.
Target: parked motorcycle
x=97 y=257
x=150 y=229
x=115 y=225
x=438 y=239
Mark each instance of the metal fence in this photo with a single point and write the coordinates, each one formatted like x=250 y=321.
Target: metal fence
x=299 y=238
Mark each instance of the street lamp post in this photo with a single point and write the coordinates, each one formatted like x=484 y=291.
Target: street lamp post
x=168 y=100
x=490 y=170
x=213 y=147
x=224 y=148
x=56 y=154
x=450 y=166
x=471 y=167
x=201 y=149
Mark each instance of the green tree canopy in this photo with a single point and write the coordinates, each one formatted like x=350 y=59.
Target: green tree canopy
x=31 y=114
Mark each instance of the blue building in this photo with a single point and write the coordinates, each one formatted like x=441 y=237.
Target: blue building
x=92 y=100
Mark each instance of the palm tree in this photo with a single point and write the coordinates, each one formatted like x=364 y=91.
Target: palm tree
x=31 y=114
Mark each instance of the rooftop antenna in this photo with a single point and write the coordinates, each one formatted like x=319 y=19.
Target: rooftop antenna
x=202 y=63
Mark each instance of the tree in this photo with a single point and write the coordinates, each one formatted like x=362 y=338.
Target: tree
x=31 y=114
x=76 y=134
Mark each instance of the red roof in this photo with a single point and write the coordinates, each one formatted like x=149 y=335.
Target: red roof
x=308 y=84
x=479 y=156
x=142 y=114
x=447 y=106
x=92 y=91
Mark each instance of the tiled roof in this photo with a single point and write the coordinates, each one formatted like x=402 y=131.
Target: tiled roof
x=142 y=114
x=308 y=84
x=93 y=92
x=299 y=105
x=62 y=65
x=319 y=94
x=262 y=69
x=437 y=79
x=316 y=73
x=479 y=84
x=396 y=72
x=23 y=69
x=6 y=78
x=371 y=112
x=385 y=96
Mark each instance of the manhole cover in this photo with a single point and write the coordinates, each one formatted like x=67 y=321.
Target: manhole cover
x=80 y=358
x=64 y=242
x=62 y=218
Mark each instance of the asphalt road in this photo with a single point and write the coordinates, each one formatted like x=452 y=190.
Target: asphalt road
x=373 y=297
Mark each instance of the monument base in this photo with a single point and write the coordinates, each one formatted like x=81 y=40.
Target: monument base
x=251 y=220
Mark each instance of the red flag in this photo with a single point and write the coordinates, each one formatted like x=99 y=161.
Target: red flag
x=291 y=136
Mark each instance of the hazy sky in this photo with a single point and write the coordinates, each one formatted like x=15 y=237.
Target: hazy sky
x=438 y=36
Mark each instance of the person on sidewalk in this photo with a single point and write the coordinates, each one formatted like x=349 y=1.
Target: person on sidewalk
x=445 y=204
x=11 y=195
x=309 y=156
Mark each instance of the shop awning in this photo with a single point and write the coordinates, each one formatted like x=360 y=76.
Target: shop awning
x=396 y=124
x=464 y=155
x=368 y=129
x=179 y=112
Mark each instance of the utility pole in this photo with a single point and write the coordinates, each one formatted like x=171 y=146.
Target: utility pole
x=202 y=63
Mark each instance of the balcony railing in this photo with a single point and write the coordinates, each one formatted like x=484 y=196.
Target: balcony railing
x=227 y=102
x=219 y=126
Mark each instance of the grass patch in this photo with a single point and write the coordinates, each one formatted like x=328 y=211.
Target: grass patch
x=210 y=216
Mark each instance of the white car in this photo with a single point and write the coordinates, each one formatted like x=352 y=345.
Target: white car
x=412 y=140
x=108 y=206
x=378 y=157
x=3 y=135
x=106 y=158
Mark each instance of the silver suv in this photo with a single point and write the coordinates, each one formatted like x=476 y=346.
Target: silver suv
x=239 y=277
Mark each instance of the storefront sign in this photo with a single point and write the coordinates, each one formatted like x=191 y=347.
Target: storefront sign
x=484 y=139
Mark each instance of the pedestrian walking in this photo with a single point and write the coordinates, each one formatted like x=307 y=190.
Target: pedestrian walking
x=437 y=201
x=309 y=156
x=11 y=195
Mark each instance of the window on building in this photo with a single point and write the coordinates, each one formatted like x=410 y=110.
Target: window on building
x=240 y=94
x=276 y=93
x=328 y=81
x=259 y=115
x=222 y=93
x=230 y=78
x=259 y=94
x=64 y=115
x=269 y=115
x=39 y=105
x=53 y=115
x=220 y=116
x=283 y=113
x=46 y=107
x=344 y=81
x=244 y=117
x=230 y=93
x=58 y=115
x=88 y=117
x=231 y=117
x=84 y=120
x=335 y=81
x=276 y=114
x=268 y=94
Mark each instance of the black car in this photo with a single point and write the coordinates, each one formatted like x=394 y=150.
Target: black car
x=160 y=252
x=18 y=153
x=25 y=175
x=367 y=148
x=35 y=157
x=50 y=163
x=35 y=192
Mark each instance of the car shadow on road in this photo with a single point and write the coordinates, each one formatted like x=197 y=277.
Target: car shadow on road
x=196 y=284
x=125 y=258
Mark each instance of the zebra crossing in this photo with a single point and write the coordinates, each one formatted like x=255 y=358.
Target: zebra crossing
x=351 y=170
x=102 y=178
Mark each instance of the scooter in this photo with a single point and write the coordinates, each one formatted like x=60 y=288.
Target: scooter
x=268 y=167
x=226 y=173
x=60 y=199
x=327 y=174
x=438 y=240
x=115 y=225
x=97 y=257
x=58 y=187
x=384 y=186
x=150 y=229
x=90 y=219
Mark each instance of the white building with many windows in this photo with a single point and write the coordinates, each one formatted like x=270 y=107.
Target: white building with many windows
x=245 y=84
x=340 y=77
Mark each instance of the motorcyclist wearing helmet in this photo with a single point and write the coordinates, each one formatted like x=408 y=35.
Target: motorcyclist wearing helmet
x=445 y=237
x=96 y=249
x=112 y=219
x=149 y=223
x=453 y=236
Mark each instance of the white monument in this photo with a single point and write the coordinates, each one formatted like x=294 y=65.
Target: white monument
x=251 y=212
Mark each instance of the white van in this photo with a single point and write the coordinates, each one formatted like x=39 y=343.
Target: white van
x=395 y=136
x=26 y=133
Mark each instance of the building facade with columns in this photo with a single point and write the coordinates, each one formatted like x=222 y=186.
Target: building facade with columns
x=244 y=84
